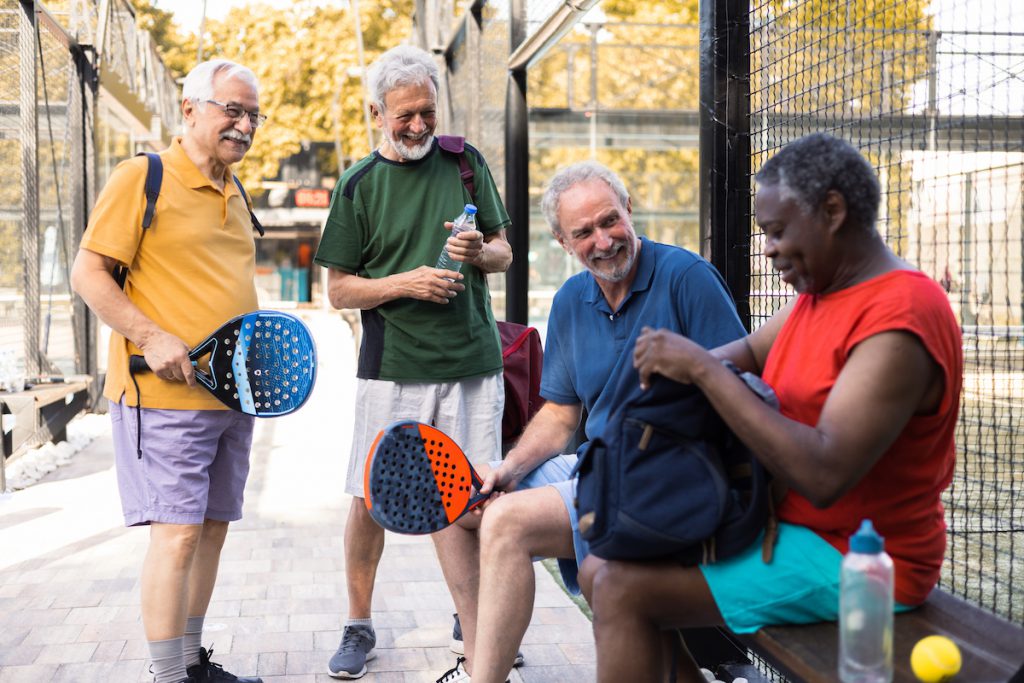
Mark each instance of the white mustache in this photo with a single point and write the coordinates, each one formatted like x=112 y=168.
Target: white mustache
x=237 y=137
x=615 y=249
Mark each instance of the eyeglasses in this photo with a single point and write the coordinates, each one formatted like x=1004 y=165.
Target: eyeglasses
x=235 y=113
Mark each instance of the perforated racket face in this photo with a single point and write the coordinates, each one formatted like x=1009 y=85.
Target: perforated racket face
x=417 y=480
x=262 y=363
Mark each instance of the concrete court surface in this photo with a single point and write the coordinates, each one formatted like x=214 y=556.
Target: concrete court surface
x=69 y=591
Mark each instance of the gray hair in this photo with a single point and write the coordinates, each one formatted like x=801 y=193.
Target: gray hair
x=809 y=168
x=400 y=66
x=198 y=85
x=573 y=175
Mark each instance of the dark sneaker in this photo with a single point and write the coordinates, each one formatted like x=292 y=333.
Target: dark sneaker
x=354 y=651
x=208 y=672
x=458 y=647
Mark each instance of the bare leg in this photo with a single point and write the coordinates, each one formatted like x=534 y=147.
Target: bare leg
x=364 y=544
x=458 y=552
x=165 y=579
x=633 y=603
x=204 y=567
x=516 y=528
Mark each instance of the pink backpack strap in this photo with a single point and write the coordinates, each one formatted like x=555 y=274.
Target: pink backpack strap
x=456 y=145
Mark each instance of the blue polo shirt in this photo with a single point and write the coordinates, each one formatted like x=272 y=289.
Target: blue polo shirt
x=589 y=346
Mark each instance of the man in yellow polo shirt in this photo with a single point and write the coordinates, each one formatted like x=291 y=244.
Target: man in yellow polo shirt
x=182 y=458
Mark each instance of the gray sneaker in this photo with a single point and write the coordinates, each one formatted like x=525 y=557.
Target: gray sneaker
x=355 y=649
x=458 y=647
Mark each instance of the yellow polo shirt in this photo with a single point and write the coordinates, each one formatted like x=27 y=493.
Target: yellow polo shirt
x=190 y=272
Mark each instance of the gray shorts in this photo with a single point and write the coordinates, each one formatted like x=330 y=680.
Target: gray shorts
x=193 y=467
x=556 y=473
x=468 y=411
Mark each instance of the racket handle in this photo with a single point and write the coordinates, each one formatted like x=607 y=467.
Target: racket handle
x=137 y=363
x=477 y=500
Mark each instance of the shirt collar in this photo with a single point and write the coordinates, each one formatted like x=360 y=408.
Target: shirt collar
x=189 y=173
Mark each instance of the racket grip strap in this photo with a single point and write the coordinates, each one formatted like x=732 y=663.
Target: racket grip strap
x=477 y=500
x=137 y=363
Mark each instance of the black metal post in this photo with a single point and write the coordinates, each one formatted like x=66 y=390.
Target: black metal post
x=82 y=158
x=725 y=208
x=517 y=174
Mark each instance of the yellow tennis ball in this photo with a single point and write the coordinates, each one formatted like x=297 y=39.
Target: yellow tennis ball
x=935 y=659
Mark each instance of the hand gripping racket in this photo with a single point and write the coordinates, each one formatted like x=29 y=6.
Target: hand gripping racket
x=261 y=363
x=417 y=480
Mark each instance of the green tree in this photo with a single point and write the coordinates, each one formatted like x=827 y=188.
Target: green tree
x=177 y=50
x=303 y=58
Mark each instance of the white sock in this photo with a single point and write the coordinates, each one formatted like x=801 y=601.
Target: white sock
x=193 y=640
x=168 y=662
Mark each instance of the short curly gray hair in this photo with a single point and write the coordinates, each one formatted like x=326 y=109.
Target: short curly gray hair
x=571 y=176
x=400 y=66
x=810 y=167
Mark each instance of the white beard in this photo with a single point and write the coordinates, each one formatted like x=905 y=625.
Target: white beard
x=410 y=153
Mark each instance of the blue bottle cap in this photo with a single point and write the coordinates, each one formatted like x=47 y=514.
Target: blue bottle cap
x=470 y=209
x=867 y=540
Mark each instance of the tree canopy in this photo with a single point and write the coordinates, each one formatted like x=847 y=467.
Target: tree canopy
x=306 y=59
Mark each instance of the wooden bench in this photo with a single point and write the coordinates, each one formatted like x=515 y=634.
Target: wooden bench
x=39 y=414
x=992 y=648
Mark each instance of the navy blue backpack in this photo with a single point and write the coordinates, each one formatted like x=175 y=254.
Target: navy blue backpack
x=668 y=480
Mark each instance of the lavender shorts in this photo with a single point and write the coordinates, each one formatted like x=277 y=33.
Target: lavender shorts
x=193 y=467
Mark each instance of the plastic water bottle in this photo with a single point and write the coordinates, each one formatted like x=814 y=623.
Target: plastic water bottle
x=465 y=221
x=865 y=609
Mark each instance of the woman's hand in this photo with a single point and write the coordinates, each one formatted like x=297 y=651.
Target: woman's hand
x=660 y=352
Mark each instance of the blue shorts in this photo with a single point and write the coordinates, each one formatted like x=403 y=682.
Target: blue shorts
x=799 y=586
x=556 y=473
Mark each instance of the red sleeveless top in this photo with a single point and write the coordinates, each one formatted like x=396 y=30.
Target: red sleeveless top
x=901 y=493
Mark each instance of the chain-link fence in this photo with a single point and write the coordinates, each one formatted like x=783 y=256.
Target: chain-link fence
x=933 y=94
x=63 y=124
x=42 y=132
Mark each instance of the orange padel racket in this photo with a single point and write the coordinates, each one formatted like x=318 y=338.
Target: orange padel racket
x=417 y=480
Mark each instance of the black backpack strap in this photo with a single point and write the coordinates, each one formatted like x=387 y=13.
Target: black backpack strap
x=154 y=179
x=456 y=146
x=248 y=205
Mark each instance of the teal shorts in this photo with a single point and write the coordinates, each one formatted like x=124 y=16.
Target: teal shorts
x=799 y=586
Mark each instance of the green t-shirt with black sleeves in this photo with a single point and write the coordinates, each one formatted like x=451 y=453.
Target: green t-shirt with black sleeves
x=388 y=217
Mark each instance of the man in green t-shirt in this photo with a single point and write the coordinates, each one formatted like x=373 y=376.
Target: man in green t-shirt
x=430 y=350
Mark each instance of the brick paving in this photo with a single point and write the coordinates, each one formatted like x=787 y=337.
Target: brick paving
x=69 y=593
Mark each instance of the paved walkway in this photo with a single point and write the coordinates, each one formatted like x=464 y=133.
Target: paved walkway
x=69 y=593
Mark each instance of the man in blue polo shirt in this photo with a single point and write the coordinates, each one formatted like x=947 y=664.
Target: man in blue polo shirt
x=596 y=316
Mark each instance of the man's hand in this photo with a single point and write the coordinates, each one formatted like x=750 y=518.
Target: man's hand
x=167 y=357
x=430 y=284
x=505 y=479
x=466 y=246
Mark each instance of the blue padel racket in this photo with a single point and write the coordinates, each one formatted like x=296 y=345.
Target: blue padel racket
x=261 y=363
x=417 y=480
